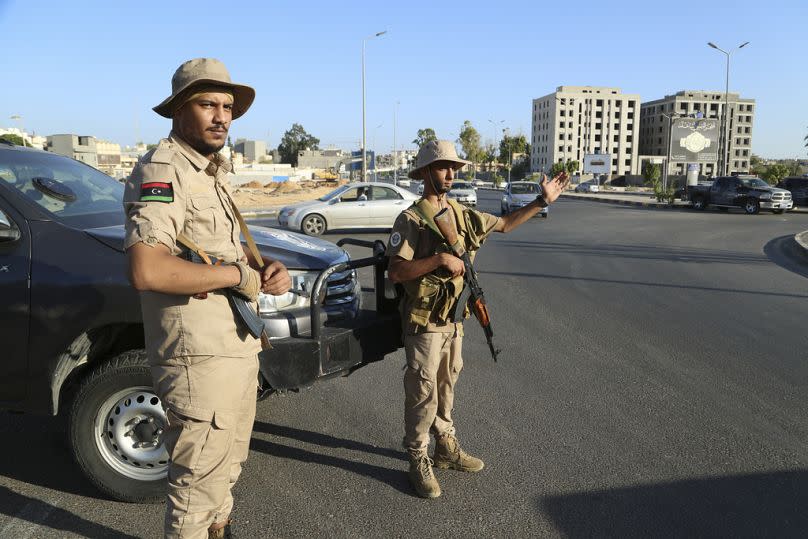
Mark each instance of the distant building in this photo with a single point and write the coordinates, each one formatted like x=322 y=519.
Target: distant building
x=81 y=148
x=254 y=151
x=109 y=156
x=578 y=120
x=319 y=159
x=654 y=127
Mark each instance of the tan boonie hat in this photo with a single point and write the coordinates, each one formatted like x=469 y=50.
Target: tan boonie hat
x=436 y=150
x=205 y=71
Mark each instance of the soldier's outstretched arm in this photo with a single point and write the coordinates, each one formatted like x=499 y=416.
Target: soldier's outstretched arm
x=550 y=192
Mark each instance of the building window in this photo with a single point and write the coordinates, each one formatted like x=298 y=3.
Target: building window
x=683 y=107
x=617 y=127
x=598 y=125
x=599 y=103
x=617 y=138
x=598 y=114
x=561 y=124
x=630 y=116
x=597 y=138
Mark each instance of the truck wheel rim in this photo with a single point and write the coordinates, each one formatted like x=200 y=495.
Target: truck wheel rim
x=750 y=207
x=129 y=434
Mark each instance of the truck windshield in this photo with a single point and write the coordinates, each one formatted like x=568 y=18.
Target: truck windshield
x=754 y=182
x=64 y=187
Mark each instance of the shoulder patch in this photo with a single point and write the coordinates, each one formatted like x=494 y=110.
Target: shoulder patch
x=156 y=192
x=395 y=239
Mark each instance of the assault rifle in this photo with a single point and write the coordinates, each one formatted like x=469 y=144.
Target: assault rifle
x=445 y=223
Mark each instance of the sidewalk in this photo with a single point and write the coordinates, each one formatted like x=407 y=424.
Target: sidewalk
x=647 y=200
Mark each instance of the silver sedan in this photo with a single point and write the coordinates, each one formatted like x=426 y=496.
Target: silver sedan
x=354 y=205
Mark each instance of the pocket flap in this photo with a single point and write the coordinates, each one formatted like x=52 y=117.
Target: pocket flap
x=224 y=420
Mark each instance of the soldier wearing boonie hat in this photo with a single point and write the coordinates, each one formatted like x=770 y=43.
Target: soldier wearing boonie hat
x=204 y=363
x=432 y=317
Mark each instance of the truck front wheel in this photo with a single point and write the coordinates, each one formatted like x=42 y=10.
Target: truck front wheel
x=699 y=203
x=751 y=206
x=115 y=430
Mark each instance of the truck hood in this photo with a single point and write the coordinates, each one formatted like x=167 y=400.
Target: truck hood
x=768 y=190
x=295 y=251
x=527 y=197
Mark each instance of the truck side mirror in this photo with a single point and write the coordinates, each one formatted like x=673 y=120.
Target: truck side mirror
x=8 y=230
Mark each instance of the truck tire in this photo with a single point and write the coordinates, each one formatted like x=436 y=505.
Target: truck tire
x=699 y=203
x=313 y=225
x=751 y=206
x=115 y=427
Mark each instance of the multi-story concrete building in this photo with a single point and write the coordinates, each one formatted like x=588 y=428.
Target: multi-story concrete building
x=319 y=159
x=655 y=129
x=577 y=120
x=81 y=148
x=254 y=151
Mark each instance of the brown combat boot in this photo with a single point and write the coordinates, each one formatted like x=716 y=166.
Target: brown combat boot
x=449 y=456
x=221 y=533
x=421 y=476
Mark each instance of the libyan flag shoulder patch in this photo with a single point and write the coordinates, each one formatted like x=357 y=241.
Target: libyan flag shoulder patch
x=156 y=192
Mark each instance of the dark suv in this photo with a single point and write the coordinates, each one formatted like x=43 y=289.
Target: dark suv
x=798 y=185
x=71 y=327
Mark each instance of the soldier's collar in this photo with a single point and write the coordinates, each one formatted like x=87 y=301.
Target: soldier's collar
x=199 y=161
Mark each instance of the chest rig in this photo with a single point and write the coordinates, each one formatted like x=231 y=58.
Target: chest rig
x=435 y=296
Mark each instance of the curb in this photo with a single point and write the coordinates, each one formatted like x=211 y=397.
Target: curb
x=266 y=212
x=641 y=204
x=802 y=241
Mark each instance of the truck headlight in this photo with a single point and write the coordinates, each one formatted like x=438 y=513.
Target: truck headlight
x=765 y=196
x=299 y=296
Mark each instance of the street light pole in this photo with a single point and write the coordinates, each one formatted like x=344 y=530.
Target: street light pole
x=395 y=152
x=725 y=130
x=668 y=150
x=364 y=129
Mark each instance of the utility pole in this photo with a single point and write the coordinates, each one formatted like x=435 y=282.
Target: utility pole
x=364 y=130
x=725 y=129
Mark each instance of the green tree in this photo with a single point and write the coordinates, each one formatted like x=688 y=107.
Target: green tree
x=755 y=160
x=510 y=145
x=424 y=136
x=469 y=140
x=295 y=140
x=651 y=172
x=794 y=168
x=14 y=139
x=557 y=169
x=490 y=155
x=572 y=166
x=775 y=173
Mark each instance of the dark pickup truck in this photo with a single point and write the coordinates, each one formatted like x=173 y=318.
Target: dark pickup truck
x=748 y=193
x=71 y=327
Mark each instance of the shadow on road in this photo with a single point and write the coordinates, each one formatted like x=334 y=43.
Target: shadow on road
x=325 y=440
x=27 y=514
x=755 y=505
x=644 y=252
x=42 y=457
x=642 y=283
x=396 y=478
x=785 y=252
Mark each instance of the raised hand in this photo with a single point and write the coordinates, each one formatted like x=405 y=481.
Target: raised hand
x=551 y=189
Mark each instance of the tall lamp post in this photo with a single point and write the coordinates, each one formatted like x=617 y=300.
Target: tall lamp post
x=395 y=149
x=725 y=130
x=495 y=126
x=364 y=129
x=670 y=118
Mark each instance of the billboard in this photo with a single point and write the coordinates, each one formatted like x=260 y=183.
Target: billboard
x=597 y=163
x=694 y=140
x=356 y=160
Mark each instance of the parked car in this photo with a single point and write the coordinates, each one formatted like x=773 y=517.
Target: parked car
x=519 y=194
x=72 y=331
x=403 y=181
x=354 y=205
x=420 y=188
x=463 y=192
x=798 y=187
x=749 y=193
x=482 y=183
x=587 y=187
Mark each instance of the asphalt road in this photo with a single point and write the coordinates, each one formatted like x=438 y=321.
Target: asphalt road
x=653 y=382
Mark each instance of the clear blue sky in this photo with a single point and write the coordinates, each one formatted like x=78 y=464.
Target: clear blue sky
x=97 y=67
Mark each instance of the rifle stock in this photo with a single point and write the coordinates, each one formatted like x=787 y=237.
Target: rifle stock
x=445 y=223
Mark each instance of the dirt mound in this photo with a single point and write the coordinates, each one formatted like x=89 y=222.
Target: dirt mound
x=254 y=185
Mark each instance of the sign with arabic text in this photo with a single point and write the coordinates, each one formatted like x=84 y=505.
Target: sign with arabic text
x=695 y=140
